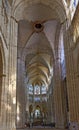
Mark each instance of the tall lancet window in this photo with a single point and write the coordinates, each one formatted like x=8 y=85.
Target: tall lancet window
x=37 y=90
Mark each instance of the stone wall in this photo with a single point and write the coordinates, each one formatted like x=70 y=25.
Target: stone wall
x=71 y=55
x=8 y=48
x=8 y=45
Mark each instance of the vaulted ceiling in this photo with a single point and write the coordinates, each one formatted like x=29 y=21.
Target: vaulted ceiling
x=39 y=22
x=25 y=9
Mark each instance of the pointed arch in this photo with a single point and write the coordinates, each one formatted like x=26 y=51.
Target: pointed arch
x=2 y=67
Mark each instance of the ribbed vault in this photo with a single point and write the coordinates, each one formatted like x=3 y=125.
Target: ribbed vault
x=38 y=23
x=39 y=59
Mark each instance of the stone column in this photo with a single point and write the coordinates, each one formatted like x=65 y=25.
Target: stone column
x=51 y=102
x=59 y=123
x=52 y=110
x=72 y=87
x=41 y=94
x=13 y=69
x=3 y=104
x=49 y=105
x=27 y=101
x=48 y=108
x=19 y=94
x=65 y=102
x=24 y=88
x=11 y=75
x=21 y=98
x=33 y=95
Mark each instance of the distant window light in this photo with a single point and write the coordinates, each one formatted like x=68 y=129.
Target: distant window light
x=73 y=6
x=30 y=89
x=37 y=113
x=37 y=99
x=37 y=90
x=44 y=90
x=74 y=2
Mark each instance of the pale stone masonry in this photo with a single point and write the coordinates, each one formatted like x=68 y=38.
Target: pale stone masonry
x=31 y=36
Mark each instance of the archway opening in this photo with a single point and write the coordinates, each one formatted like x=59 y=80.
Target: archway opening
x=36 y=53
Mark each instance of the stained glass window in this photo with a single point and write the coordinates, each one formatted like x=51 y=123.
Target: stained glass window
x=30 y=89
x=37 y=99
x=37 y=90
x=44 y=89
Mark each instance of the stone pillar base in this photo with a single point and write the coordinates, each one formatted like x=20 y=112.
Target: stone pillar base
x=74 y=126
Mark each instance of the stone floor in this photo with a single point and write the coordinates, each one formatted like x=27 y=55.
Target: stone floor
x=41 y=128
